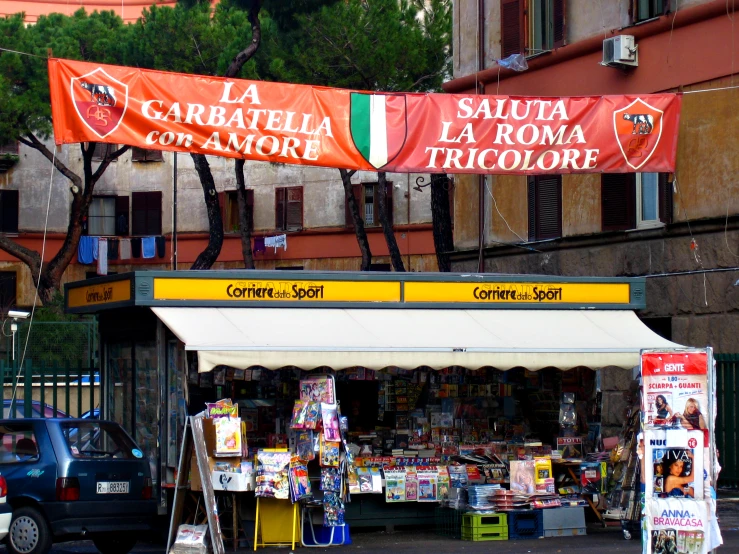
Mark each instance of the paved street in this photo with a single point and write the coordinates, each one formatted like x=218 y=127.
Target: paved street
x=605 y=540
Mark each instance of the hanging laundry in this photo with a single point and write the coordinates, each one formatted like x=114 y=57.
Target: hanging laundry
x=161 y=244
x=259 y=245
x=86 y=249
x=136 y=247
x=148 y=247
x=103 y=257
x=279 y=241
x=113 y=249
x=125 y=249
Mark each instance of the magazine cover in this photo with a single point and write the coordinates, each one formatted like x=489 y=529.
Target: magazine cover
x=394 y=485
x=676 y=526
x=411 y=484
x=428 y=484
x=571 y=447
x=523 y=476
x=318 y=389
x=674 y=467
x=330 y=422
x=675 y=390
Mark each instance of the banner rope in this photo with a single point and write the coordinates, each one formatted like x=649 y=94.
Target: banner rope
x=22 y=53
x=38 y=284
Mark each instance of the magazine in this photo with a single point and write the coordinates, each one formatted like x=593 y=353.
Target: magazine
x=523 y=476
x=428 y=478
x=330 y=453
x=675 y=390
x=411 y=484
x=675 y=464
x=394 y=485
x=299 y=482
x=330 y=422
x=319 y=388
x=676 y=526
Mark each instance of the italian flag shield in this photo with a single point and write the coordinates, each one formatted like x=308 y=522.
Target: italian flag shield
x=378 y=125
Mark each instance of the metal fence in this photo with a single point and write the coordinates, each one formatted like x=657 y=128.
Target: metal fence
x=60 y=373
x=727 y=375
x=49 y=391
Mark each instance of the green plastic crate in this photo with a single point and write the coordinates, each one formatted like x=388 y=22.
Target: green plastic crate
x=489 y=533
x=475 y=521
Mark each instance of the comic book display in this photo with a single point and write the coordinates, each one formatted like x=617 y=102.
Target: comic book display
x=679 y=474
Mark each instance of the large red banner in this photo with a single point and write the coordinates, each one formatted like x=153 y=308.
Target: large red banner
x=319 y=126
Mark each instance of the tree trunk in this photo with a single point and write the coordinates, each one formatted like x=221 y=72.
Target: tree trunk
x=387 y=227
x=207 y=257
x=47 y=277
x=359 y=231
x=245 y=216
x=442 y=220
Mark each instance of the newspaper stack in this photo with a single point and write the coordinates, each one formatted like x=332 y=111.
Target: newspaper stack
x=480 y=497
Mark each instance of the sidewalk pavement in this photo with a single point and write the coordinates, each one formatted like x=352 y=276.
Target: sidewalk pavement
x=608 y=540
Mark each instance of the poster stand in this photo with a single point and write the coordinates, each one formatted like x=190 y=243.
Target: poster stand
x=679 y=451
x=193 y=437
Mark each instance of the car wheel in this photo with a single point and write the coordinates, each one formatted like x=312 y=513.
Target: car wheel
x=29 y=533
x=114 y=543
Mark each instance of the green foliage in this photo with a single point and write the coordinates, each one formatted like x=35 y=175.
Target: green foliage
x=58 y=338
x=191 y=39
x=24 y=83
x=380 y=45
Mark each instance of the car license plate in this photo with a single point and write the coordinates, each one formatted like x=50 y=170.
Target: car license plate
x=112 y=487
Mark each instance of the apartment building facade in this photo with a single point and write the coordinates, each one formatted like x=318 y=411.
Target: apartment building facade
x=680 y=230
x=135 y=198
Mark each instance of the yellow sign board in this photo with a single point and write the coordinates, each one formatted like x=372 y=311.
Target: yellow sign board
x=94 y=295
x=273 y=290
x=518 y=293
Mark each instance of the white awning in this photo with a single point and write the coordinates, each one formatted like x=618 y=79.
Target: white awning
x=376 y=338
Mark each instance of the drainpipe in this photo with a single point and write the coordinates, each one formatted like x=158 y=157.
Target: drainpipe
x=408 y=220
x=481 y=178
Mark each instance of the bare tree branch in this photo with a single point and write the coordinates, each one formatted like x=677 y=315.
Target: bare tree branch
x=111 y=156
x=35 y=143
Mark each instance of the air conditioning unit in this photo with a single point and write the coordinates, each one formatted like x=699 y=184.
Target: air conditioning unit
x=620 y=51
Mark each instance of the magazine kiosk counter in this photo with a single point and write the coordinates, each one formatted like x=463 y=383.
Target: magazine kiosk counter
x=188 y=319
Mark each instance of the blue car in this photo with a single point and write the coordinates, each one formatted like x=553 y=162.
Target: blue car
x=74 y=478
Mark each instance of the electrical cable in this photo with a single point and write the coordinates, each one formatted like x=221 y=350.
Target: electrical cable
x=495 y=203
x=38 y=284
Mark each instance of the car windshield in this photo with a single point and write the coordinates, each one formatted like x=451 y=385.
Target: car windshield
x=97 y=439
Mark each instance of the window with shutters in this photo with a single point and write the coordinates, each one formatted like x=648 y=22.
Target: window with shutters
x=12 y=148
x=8 y=289
x=8 y=211
x=531 y=26
x=641 y=10
x=545 y=207
x=289 y=208
x=101 y=216
x=146 y=213
x=108 y=216
x=102 y=149
x=230 y=210
x=635 y=200
x=368 y=204
x=144 y=155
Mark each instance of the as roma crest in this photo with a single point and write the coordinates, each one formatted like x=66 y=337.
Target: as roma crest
x=638 y=128
x=378 y=126
x=100 y=101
